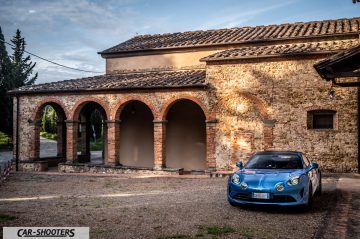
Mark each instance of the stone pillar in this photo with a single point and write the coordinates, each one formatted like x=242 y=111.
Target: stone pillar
x=210 y=144
x=34 y=146
x=268 y=134
x=71 y=135
x=83 y=136
x=159 y=144
x=105 y=141
x=61 y=143
x=113 y=142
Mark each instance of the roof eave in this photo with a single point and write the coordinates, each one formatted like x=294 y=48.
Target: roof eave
x=206 y=59
x=29 y=92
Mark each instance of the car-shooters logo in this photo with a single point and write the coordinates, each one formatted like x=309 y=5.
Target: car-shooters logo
x=46 y=232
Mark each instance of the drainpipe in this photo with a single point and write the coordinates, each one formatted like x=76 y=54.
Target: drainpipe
x=17 y=133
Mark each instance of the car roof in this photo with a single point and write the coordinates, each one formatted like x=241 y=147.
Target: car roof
x=279 y=152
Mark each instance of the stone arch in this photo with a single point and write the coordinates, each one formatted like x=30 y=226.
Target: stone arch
x=186 y=136
x=259 y=105
x=116 y=111
x=269 y=123
x=167 y=105
x=81 y=132
x=48 y=101
x=135 y=133
x=74 y=115
x=35 y=125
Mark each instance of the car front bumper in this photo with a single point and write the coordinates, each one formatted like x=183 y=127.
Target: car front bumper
x=291 y=196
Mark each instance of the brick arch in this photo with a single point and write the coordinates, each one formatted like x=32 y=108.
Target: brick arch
x=49 y=101
x=259 y=105
x=116 y=111
x=167 y=105
x=74 y=115
x=35 y=125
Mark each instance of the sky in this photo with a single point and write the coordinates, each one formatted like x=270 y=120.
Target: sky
x=71 y=32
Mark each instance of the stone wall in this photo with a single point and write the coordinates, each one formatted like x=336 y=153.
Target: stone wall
x=251 y=105
x=263 y=104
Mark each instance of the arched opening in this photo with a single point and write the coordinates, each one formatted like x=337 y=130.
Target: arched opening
x=92 y=134
x=136 y=135
x=186 y=136
x=50 y=133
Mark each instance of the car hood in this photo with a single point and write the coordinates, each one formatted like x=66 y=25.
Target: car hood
x=267 y=178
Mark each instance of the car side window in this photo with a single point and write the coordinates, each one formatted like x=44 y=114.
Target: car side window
x=306 y=161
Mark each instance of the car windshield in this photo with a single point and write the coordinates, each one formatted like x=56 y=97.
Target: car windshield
x=274 y=161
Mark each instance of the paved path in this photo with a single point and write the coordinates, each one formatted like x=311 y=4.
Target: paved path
x=48 y=148
x=344 y=221
x=5 y=157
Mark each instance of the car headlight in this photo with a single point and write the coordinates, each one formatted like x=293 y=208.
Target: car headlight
x=235 y=179
x=294 y=180
x=279 y=187
x=243 y=186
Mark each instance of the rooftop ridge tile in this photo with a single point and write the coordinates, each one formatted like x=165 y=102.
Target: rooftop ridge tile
x=237 y=35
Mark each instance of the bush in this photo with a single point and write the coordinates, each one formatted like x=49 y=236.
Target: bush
x=47 y=135
x=5 y=141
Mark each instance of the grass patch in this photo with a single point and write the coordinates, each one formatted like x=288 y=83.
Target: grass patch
x=5 y=217
x=218 y=231
x=5 y=141
x=247 y=232
x=178 y=236
x=94 y=146
x=47 y=135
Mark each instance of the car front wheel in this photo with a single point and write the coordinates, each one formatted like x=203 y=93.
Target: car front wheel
x=319 y=188
x=308 y=205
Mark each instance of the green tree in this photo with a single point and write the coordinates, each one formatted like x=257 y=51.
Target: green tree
x=6 y=83
x=15 y=71
x=22 y=66
x=49 y=120
x=96 y=120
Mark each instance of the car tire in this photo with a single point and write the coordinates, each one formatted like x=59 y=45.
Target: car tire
x=308 y=205
x=319 y=189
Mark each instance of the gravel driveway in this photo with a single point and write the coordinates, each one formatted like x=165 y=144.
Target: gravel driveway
x=139 y=207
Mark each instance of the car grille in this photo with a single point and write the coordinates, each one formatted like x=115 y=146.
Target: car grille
x=273 y=198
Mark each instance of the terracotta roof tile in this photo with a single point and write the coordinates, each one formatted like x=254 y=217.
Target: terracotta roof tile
x=148 y=80
x=282 y=50
x=347 y=60
x=238 y=35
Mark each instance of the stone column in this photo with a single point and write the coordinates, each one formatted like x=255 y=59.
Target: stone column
x=268 y=134
x=61 y=143
x=159 y=144
x=113 y=142
x=210 y=144
x=83 y=137
x=71 y=135
x=34 y=149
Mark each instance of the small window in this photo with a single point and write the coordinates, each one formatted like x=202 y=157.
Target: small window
x=321 y=119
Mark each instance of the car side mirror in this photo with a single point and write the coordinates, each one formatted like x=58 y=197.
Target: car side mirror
x=239 y=165
x=313 y=166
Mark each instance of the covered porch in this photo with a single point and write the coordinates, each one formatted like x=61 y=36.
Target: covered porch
x=158 y=122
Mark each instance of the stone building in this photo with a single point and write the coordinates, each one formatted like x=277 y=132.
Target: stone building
x=201 y=101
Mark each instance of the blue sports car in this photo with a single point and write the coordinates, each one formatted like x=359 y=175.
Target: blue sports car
x=275 y=177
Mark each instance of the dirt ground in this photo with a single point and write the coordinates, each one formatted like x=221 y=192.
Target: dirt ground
x=159 y=207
